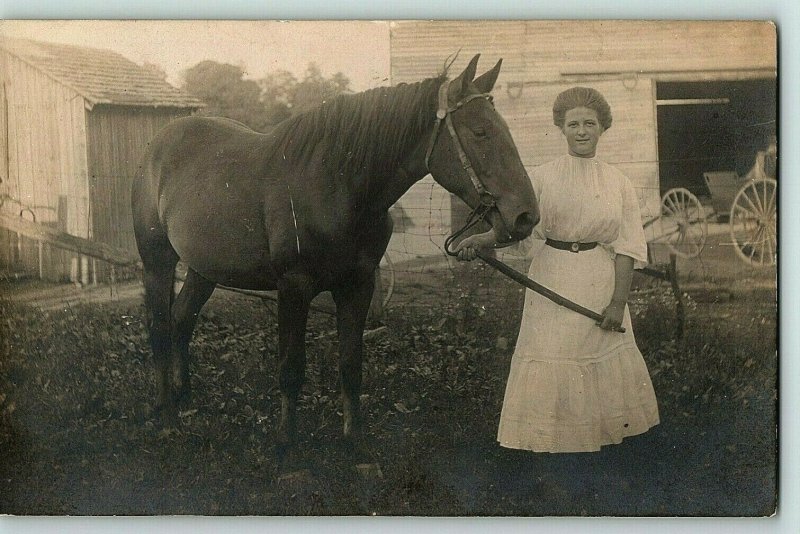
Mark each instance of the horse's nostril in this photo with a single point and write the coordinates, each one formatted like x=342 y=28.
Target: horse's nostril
x=524 y=224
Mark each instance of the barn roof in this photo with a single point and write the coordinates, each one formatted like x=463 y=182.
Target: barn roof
x=100 y=76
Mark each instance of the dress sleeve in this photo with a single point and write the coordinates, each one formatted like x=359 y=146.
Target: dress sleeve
x=631 y=240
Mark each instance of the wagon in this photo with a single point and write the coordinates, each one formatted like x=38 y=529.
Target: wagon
x=747 y=203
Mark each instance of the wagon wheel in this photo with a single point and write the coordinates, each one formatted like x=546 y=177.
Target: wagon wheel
x=683 y=222
x=753 y=222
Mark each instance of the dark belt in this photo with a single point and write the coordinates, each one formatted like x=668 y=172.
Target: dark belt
x=571 y=246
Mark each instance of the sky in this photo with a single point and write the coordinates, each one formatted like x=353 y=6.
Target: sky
x=357 y=49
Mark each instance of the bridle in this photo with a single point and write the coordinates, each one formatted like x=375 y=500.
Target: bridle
x=487 y=199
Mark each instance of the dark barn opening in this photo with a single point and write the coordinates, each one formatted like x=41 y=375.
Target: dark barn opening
x=711 y=126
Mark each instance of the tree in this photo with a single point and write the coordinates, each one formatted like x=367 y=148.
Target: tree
x=315 y=89
x=226 y=93
x=259 y=104
x=277 y=94
x=288 y=96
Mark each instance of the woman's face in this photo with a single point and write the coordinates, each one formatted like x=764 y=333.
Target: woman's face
x=582 y=130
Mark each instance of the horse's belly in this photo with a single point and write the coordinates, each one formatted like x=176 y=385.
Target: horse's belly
x=232 y=253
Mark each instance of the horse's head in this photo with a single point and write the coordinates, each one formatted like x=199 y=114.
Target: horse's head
x=472 y=155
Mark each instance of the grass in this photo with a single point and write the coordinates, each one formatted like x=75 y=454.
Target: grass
x=78 y=435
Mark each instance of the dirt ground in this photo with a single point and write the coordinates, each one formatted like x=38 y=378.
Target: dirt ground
x=78 y=436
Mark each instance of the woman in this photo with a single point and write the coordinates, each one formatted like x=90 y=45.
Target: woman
x=574 y=386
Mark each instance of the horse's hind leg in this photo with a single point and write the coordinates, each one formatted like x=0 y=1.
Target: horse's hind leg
x=159 y=271
x=352 y=306
x=193 y=295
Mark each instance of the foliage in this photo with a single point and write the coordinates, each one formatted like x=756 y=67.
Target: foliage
x=261 y=103
x=226 y=93
x=78 y=435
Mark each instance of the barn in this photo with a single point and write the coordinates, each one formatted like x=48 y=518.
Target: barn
x=74 y=123
x=687 y=97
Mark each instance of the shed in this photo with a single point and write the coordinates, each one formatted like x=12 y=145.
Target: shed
x=686 y=96
x=74 y=123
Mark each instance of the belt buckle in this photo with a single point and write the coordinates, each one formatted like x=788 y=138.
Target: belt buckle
x=575 y=247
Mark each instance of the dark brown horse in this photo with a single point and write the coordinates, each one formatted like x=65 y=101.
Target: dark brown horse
x=304 y=209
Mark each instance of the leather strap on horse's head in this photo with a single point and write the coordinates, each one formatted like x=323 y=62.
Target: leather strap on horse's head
x=443 y=113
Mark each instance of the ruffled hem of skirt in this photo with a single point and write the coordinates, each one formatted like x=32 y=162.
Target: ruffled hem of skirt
x=553 y=406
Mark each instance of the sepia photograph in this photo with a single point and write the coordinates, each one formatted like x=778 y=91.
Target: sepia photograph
x=429 y=268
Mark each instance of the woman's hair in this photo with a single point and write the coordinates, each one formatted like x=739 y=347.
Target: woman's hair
x=581 y=97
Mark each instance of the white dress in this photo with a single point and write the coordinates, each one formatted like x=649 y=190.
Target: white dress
x=574 y=387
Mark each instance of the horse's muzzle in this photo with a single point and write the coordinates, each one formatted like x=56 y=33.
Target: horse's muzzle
x=524 y=224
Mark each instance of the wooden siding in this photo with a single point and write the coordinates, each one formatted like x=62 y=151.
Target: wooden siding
x=46 y=146
x=3 y=131
x=44 y=165
x=118 y=138
x=664 y=48
x=419 y=49
x=546 y=50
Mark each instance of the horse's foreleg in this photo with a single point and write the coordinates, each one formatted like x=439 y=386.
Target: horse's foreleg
x=195 y=292
x=352 y=306
x=295 y=293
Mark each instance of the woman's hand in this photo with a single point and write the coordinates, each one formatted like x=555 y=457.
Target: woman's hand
x=468 y=249
x=614 y=312
x=612 y=315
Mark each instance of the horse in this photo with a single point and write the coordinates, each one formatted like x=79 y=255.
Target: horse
x=304 y=208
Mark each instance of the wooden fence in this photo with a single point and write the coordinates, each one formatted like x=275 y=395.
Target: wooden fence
x=45 y=238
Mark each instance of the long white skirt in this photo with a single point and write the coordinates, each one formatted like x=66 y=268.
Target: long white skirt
x=574 y=387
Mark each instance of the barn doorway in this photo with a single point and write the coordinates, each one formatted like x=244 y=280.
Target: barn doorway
x=711 y=126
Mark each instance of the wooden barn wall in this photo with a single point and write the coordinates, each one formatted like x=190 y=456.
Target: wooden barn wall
x=419 y=49
x=550 y=50
x=45 y=163
x=46 y=145
x=682 y=48
x=541 y=58
x=3 y=129
x=118 y=138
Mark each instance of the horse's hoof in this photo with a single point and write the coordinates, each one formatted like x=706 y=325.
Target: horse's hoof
x=369 y=471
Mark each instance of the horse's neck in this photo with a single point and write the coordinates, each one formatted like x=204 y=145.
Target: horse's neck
x=396 y=185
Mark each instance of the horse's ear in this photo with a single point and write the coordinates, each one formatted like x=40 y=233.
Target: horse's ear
x=465 y=78
x=485 y=82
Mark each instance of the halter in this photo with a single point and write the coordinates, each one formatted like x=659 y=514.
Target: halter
x=443 y=113
x=487 y=199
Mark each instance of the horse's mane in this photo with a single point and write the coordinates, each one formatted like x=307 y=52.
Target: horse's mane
x=366 y=132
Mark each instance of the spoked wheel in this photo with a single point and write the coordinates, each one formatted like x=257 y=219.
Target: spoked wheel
x=753 y=222
x=683 y=222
